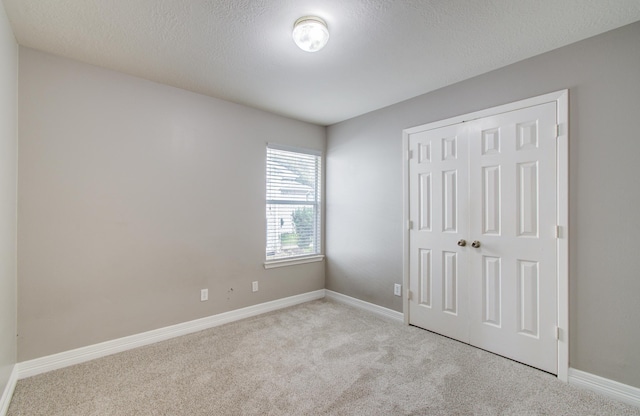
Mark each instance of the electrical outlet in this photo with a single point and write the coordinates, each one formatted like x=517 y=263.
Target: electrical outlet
x=397 y=289
x=204 y=295
x=254 y=286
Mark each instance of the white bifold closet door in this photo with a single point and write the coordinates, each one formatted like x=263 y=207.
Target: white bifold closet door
x=482 y=260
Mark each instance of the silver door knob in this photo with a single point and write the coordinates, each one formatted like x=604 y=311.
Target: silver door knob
x=475 y=244
x=462 y=243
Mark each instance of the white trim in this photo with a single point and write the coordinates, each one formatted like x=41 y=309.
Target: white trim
x=561 y=98
x=91 y=352
x=516 y=105
x=361 y=304
x=292 y=262
x=406 y=232
x=562 y=246
x=7 y=394
x=294 y=149
x=606 y=387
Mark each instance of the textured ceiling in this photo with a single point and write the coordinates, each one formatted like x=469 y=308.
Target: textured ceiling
x=380 y=51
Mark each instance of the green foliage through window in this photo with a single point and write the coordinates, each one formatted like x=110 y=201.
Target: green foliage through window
x=303 y=224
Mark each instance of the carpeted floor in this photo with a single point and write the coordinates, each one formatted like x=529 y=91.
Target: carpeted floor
x=318 y=358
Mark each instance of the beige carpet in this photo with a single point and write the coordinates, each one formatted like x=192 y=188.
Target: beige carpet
x=319 y=358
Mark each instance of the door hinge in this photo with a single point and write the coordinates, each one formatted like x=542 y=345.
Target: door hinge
x=409 y=225
x=558 y=231
x=408 y=295
x=557 y=131
x=557 y=333
x=409 y=154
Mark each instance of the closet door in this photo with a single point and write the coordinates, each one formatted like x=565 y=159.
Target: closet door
x=512 y=285
x=438 y=208
x=482 y=246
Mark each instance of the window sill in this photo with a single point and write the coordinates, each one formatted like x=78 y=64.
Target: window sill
x=292 y=262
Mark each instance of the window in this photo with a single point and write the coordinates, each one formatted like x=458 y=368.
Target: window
x=293 y=203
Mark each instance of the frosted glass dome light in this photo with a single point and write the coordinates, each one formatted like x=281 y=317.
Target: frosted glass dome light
x=310 y=33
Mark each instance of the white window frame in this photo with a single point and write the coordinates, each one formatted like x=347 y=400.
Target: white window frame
x=293 y=258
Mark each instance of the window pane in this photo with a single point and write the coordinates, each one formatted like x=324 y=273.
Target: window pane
x=293 y=204
x=292 y=176
x=292 y=231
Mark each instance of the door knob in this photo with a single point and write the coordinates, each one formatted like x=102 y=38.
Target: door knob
x=475 y=244
x=462 y=243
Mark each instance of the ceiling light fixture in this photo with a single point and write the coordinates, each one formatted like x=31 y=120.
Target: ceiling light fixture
x=310 y=33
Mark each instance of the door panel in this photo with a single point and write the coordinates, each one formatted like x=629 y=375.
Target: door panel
x=491 y=217
x=424 y=201
x=438 y=268
x=515 y=225
x=528 y=294
x=491 y=291
x=450 y=282
x=424 y=277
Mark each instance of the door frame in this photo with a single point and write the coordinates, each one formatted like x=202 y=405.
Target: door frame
x=561 y=98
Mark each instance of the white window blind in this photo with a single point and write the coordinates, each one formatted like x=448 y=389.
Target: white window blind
x=293 y=202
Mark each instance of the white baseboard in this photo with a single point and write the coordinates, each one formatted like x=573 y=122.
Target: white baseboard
x=91 y=352
x=606 y=387
x=601 y=385
x=7 y=394
x=379 y=310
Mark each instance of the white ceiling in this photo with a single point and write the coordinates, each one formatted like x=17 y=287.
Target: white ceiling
x=380 y=51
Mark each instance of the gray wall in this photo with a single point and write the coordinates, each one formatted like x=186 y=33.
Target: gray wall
x=132 y=197
x=364 y=190
x=8 y=158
